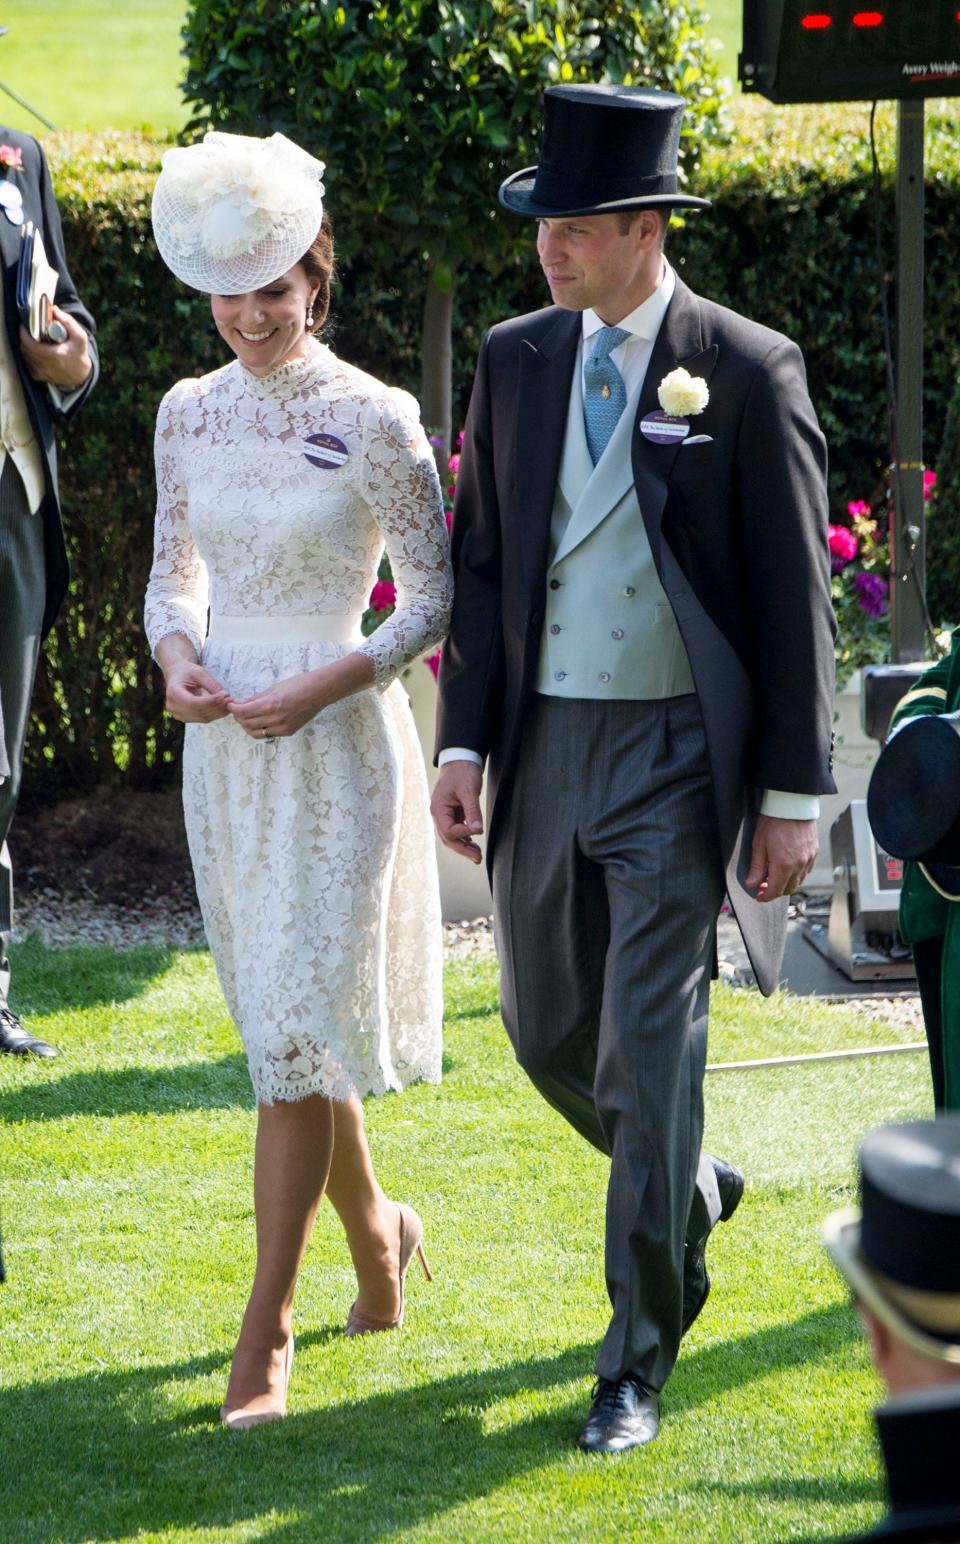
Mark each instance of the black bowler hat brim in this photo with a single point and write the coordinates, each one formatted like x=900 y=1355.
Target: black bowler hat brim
x=913 y=801
x=516 y=194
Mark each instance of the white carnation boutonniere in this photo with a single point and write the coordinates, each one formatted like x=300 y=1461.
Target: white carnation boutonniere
x=683 y=395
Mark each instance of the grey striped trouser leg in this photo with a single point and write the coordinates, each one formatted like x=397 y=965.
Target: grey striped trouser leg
x=607 y=883
x=22 y=599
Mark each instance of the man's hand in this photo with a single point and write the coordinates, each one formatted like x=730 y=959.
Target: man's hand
x=455 y=807
x=783 y=853
x=64 y=365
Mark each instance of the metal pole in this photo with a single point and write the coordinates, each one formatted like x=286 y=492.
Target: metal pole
x=907 y=531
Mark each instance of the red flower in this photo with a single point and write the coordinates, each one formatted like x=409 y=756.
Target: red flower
x=11 y=155
x=383 y=595
x=843 y=546
x=929 y=483
x=432 y=662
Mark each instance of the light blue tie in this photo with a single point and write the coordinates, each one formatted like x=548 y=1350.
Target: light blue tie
x=604 y=394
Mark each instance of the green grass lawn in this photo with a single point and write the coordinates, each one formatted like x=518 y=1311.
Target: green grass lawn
x=90 y=64
x=128 y=1226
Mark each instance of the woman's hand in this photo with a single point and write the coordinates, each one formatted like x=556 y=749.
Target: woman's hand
x=194 y=696
x=283 y=708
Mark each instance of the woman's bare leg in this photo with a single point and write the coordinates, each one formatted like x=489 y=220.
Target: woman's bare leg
x=292 y=1161
x=370 y=1221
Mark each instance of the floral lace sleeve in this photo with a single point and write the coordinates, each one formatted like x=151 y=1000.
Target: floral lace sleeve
x=401 y=488
x=177 y=590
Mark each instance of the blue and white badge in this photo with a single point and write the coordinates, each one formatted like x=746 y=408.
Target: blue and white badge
x=326 y=451
x=664 y=429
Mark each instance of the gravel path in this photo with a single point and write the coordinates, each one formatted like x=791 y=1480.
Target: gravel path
x=171 y=923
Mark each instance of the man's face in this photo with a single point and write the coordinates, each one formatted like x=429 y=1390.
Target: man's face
x=593 y=262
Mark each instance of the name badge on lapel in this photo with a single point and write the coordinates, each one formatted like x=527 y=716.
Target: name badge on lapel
x=664 y=429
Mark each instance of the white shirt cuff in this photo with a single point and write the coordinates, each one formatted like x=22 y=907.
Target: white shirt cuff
x=457 y=753
x=790 y=806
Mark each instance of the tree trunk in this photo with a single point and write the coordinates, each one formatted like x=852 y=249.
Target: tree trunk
x=436 y=370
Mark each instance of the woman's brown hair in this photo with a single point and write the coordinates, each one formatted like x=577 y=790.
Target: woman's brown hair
x=318 y=265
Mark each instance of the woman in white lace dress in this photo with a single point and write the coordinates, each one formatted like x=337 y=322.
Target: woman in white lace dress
x=281 y=477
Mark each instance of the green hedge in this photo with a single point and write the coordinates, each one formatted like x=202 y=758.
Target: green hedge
x=789 y=242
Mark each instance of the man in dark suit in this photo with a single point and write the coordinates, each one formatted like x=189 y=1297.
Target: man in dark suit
x=41 y=383
x=641 y=651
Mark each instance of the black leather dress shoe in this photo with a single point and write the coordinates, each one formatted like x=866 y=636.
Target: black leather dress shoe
x=624 y=1415
x=696 y=1282
x=17 y=1041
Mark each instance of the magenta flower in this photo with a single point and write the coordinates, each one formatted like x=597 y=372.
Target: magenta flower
x=432 y=662
x=857 y=510
x=871 y=593
x=383 y=595
x=843 y=547
x=929 y=483
x=454 y=466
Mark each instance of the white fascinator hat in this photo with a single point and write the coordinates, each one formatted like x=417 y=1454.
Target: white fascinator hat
x=232 y=213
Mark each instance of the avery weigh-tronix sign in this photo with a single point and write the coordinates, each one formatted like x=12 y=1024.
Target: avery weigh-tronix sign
x=842 y=50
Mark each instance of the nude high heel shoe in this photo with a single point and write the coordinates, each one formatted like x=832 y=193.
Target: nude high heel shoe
x=411 y=1243
x=242 y=1419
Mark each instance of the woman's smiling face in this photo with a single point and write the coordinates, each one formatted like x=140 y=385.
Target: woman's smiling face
x=266 y=326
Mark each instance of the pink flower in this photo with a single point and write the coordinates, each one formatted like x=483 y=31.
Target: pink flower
x=460 y=439
x=383 y=595
x=929 y=483
x=432 y=662
x=843 y=547
x=11 y=155
x=448 y=516
x=454 y=467
x=858 y=510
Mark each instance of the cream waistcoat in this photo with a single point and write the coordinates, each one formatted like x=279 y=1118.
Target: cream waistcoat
x=609 y=630
x=17 y=439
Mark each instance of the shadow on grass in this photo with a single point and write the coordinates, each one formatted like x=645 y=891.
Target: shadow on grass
x=48 y=980
x=212 y=1085
x=120 y=1462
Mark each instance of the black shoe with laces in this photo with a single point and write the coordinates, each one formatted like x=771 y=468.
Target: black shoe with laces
x=624 y=1414
x=15 y=1040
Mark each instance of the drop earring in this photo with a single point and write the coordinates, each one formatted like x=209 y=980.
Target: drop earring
x=309 y=316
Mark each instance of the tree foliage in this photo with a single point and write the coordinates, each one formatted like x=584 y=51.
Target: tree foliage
x=420 y=108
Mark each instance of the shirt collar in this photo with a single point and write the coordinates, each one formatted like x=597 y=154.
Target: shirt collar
x=644 y=321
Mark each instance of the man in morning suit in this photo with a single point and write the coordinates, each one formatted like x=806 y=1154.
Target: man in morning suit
x=642 y=652
x=41 y=384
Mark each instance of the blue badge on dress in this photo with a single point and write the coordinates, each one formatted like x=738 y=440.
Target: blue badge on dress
x=663 y=429
x=326 y=451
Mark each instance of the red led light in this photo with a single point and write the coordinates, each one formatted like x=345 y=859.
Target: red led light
x=816 y=21
x=868 y=18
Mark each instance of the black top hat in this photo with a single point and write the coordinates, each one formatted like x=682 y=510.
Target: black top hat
x=919 y=1434
x=604 y=148
x=913 y=801
x=901 y=1250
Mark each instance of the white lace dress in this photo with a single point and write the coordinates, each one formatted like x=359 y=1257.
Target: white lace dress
x=313 y=854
